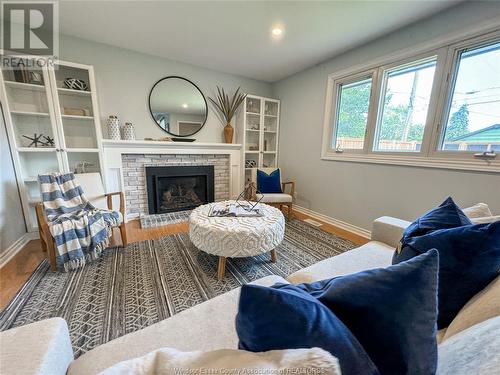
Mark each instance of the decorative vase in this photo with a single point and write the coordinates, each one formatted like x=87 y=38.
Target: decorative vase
x=113 y=128
x=128 y=132
x=228 y=133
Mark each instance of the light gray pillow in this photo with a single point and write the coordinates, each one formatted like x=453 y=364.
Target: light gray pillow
x=478 y=210
x=473 y=351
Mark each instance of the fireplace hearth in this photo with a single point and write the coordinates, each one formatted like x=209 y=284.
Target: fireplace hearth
x=179 y=188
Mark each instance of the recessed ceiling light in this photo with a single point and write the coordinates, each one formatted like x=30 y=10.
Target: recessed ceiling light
x=277 y=31
x=184 y=105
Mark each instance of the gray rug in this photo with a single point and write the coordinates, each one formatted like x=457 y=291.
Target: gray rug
x=131 y=288
x=158 y=220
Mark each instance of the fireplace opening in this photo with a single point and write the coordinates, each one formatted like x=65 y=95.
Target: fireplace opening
x=179 y=188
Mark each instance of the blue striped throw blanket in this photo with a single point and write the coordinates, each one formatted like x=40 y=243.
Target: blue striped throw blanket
x=80 y=230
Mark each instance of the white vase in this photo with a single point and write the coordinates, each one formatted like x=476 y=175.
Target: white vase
x=128 y=132
x=113 y=128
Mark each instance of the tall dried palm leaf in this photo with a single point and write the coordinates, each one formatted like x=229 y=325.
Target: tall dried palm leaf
x=226 y=107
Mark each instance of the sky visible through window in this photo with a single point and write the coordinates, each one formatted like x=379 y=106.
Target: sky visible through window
x=478 y=86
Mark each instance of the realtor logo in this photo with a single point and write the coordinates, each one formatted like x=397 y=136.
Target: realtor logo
x=30 y=28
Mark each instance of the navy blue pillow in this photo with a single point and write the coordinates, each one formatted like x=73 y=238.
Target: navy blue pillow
x=446 y=215
x=269 y=183
x=469 y=260
x=392 y=312
x=289 y=318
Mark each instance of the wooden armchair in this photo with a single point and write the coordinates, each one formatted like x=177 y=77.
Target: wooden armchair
x=274 y=199
x=93 y=189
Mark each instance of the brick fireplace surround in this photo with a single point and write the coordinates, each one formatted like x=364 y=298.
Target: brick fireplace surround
x=134 y=175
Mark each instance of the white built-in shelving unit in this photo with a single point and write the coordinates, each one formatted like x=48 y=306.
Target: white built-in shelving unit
x=258 y=131
x=41 y=107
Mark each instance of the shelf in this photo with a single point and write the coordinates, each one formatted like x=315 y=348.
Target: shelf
x=74 y=149
x=65 y=91
x=253 y=130
x=36 y=149
x=251 y=152
x=269 y=131
x=274 y=116
x=269 y=152
x=25 y=86
x=75 y=117
x=253 y=113
x=27 y=113
x=31 y=179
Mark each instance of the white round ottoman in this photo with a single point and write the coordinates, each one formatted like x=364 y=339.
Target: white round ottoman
x=236 y=237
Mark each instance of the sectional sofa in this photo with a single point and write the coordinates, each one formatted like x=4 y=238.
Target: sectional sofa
x=210 y=325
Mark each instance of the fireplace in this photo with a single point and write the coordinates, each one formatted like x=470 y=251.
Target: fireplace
x=179 y=188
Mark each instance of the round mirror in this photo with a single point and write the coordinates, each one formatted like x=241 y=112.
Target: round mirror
x=178 y=106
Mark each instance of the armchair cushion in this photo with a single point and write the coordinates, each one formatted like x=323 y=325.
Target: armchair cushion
x=269 y=183
x=275 y=198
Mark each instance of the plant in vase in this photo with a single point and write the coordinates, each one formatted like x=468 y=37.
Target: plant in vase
x=226 y=109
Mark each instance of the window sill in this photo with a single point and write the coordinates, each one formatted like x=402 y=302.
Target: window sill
x=492 y=166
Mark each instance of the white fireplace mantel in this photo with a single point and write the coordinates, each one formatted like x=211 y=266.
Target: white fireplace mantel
x=113 y=151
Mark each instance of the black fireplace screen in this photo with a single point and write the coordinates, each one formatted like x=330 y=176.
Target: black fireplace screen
x=179 y=188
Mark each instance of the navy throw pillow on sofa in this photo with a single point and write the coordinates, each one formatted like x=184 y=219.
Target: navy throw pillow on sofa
x=392 y=313
x=269 y=183
x=469 y=260
x=290 y=318
x=446 y=215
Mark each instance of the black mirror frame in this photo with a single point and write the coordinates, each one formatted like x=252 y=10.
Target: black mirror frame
x=202 y=95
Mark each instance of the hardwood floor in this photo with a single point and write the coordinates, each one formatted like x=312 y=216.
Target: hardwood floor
x=15 y=273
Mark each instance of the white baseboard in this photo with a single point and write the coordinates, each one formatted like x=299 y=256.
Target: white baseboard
x=338 y=223
x=13 y=249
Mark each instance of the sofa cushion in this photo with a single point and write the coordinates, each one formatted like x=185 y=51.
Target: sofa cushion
x=269 y=183
x=42 y=348
x=207 y=326
x=371 y=255
x=446 y=215
x=168 y=361
x=389 y=310
x=484 y=305
x=472 y=351
x=290 y=318
x=469 y=260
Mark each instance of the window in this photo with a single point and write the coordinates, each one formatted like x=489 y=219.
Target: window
x=405 y=103
x=473 y=113
x=425 y=107
x=352 y=113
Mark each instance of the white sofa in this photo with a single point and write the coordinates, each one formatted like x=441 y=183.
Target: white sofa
x=44 y=347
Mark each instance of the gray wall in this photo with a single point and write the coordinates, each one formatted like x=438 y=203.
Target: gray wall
x=12 y=225
x=358 y=193
x=125 y=78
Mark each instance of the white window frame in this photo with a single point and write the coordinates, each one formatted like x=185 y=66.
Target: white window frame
x=334 y=106
x=384 y=71
x=446 y=51
x=446 y=95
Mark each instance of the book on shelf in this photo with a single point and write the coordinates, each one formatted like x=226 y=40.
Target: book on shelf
x=234 y=210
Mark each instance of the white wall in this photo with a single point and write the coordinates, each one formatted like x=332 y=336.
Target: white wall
x=125 y=78
x=354 y=192
x=12 y=225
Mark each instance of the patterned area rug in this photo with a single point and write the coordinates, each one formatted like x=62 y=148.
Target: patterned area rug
x=129 y=289
x=151 y=221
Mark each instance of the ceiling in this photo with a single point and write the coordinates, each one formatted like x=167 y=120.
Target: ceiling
x=235 y=37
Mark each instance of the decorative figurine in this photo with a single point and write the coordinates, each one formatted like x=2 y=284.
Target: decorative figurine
x=49 y=142
x=35 y=140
